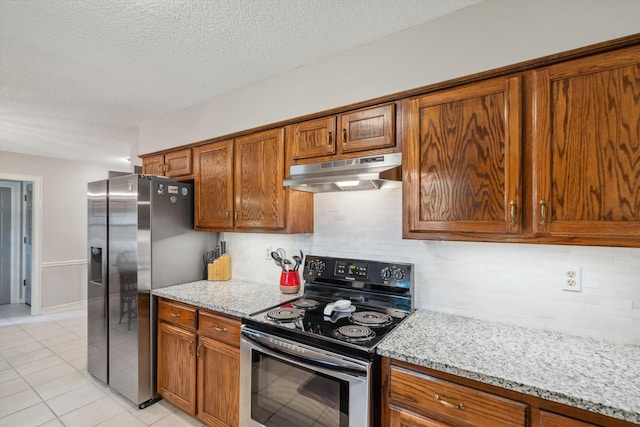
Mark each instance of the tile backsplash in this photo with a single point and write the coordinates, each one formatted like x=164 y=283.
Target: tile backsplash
x=511 y=283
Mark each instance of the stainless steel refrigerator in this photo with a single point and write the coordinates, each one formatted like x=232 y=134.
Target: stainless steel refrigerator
x=140 y=237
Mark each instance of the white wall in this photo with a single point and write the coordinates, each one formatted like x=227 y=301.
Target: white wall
x=515 y=283
x=481 y=37
x=64 y=221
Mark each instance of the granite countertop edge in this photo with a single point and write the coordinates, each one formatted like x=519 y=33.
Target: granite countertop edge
x=503 y=382
x=234 y=297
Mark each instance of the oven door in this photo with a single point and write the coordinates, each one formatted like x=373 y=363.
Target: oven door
x=284 y=383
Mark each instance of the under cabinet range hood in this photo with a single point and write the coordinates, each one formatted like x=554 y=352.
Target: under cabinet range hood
x=364 y=173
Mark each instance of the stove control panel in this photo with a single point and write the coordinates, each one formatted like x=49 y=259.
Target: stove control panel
x=355 y=270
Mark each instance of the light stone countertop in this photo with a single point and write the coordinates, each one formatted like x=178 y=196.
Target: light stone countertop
x=591 y=374
x=234 y=297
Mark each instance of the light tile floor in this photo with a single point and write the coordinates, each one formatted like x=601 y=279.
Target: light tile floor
x=44 y=379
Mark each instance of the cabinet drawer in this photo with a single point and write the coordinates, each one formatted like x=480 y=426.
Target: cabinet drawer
x=178 y=314
x=548 y=419
x=452 y=401
x=219 y=328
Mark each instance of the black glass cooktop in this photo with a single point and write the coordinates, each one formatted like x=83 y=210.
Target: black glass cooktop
x=355 y=330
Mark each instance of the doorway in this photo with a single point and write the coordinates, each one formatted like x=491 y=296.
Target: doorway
x=21 y=240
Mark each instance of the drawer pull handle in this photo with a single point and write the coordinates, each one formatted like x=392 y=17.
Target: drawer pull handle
x=199 y=351
x=513 y=211
x=344 y=137
x=459 y=406
x=543 y=213
x=219 y=329
x=329 y=139
x=190 y=348
x=175 y=314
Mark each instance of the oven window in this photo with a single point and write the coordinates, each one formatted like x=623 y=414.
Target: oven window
x=284 y=394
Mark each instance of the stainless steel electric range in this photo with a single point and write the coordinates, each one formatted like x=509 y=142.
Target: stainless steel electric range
x=312 y=361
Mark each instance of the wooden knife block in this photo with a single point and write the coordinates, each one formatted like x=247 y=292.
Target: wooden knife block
x=220 y=269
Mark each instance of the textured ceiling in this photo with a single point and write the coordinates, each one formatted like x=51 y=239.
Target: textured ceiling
x=77 y=76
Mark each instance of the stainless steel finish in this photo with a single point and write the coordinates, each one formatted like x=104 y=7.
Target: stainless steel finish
x=364 y=173
x=151 y=244
x=356 y=372
x=97 y=313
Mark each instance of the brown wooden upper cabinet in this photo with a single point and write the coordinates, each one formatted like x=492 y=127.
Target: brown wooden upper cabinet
x=174 y=164
x=238 y=186
x=462 y=157
x=587 y=147
x=355 y=131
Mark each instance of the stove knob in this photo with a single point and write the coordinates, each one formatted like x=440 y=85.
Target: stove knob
x=386 y=273
x=398 y=274
x=320 y=265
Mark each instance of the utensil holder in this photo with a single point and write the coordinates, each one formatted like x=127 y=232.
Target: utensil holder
x=289 y=282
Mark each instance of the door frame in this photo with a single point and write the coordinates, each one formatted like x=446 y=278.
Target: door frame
x=16 y=236
x=36 y=265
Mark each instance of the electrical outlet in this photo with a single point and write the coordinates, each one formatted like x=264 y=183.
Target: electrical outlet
x=267 y=254
x=572 y=280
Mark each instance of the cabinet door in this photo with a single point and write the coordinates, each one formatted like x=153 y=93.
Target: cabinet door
x=258 y=176
x=177 y=366
x=153 y=165
x=368 y=129
x=402 y=418
x=587 y=146
x=218 y=382
x=178 y=163
x=314 y=138
x=462 y=159
x=213 y=170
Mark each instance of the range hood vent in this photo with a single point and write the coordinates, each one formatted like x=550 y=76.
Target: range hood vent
x=363 y=173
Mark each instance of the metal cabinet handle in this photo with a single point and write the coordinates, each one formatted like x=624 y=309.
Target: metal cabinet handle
x=219 y=329
x=543 y=213
x=460 y=406
x=344 y=136
x=199 y=351
x=190 y=348
x=175 y=314
x=514 y=208
x=227 y=215
x=329 y=138
x=236 y=214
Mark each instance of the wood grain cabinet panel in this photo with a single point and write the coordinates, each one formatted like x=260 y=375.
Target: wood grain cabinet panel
x=403 y=418
x=199 y=369
x=587 y=147
x=213 y=201
x=238 y=187
x=174 y=164
x=462 y=159
x=218 y=383
x=367 y=129
x=314 y=138
x=433 y=397
x=549 y=419
x=177 y=366
x=153 y=165
x=258 y=176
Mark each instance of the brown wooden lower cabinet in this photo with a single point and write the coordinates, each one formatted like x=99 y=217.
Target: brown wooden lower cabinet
x=199 y=362
x=414 y=396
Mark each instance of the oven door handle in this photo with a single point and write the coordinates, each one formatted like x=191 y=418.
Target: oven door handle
x=318 y=359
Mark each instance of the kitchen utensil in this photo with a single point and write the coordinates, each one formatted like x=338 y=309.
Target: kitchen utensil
x=341 y=304
x=278 y=260
x=298 y=261
x=281 y=253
